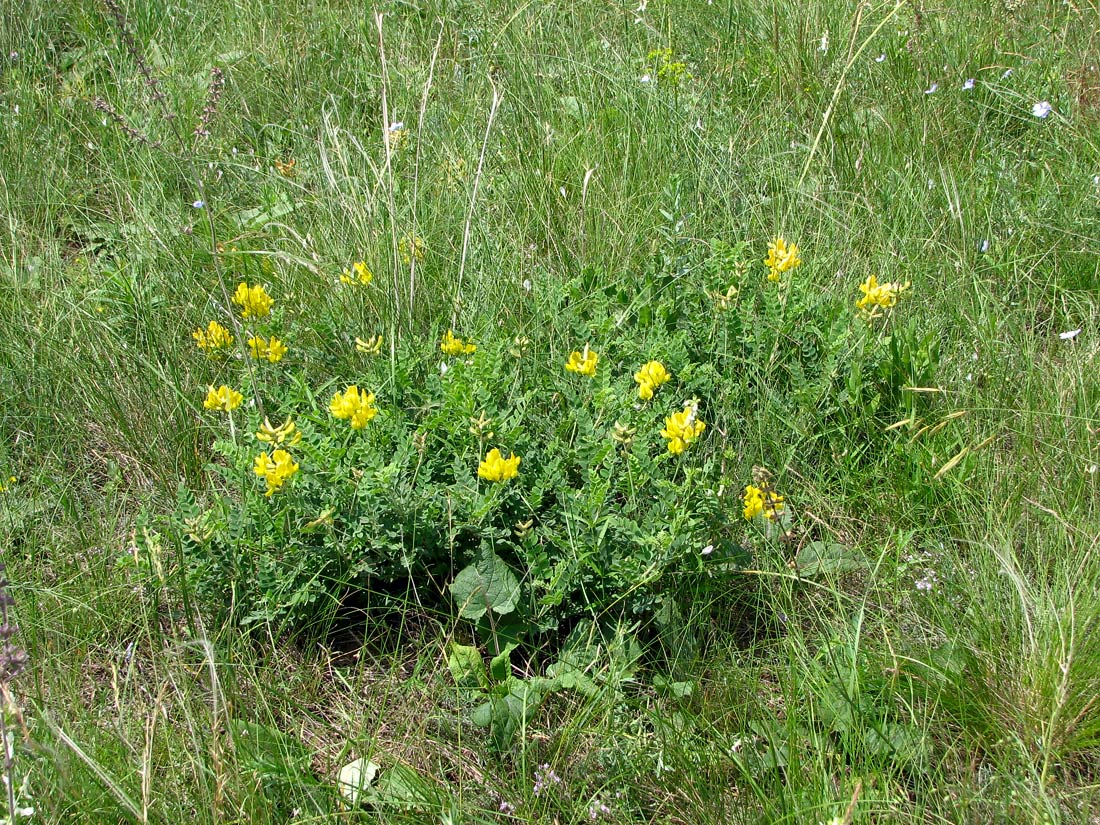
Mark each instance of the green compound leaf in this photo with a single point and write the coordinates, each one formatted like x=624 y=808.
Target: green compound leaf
x=487 y=585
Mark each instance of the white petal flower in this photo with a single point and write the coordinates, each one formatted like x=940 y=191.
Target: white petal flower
x=969 y=84
x=932 y=89
x=1070 y=335
x=1042 y=109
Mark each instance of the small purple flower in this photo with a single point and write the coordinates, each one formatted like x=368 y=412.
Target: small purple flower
x=544 y=777
x=969 y=84
x=1042 y=109
x=507 y=807
x=598 y=809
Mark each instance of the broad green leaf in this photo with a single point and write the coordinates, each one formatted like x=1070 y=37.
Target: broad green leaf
x=467 y=667
x=355 y=777
x=827 y=558
x=487 y=585
x=501 y=666
x=400 y=787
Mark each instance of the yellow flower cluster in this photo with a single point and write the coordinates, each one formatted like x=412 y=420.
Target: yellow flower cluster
x=215 y=337
x=288 y=433
x=223 y=398
x=497 y=468
x=275 y=469
x=395 y=135
x=583 y=363
x=372 y=346
x=762 y=499
x=410 y=248
x=358 y=274
x=253 y=301
x=682 y=428
x=450 y=345
x=354 y=405
x=782 y=257
x=262 y=348
x=878 y=296
x=649 y=377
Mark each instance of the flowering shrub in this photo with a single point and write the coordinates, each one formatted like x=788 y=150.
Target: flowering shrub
x=500 y=485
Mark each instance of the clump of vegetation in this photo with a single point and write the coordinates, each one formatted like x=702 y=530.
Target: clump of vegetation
x=630 y=413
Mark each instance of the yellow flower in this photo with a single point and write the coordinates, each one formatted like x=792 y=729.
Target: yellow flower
x=372 y=346
x=724 y=301
x=276 y=349
x=213 y=338
x=649 y=377
x=272 y=350
x=781 y=258
x=497 y=468
x=275 y=469
x=355 y=405
x=288 y=433
x=455 y=346
x=583 y=363
x=876 y=295
x=759 y=500
x=253 y=301
x=358 y=274
x=410 y=248
x=286 y=169
x=682 y=428
x=395 y=135
x=222 y=398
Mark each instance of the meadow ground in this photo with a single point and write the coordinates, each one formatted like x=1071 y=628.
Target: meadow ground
x=789 y=312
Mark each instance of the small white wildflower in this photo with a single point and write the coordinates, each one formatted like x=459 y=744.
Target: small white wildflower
x=880 y=58
x=824 y=47
x=983 y=247
x=1091 y=470
x=199 y=204
x=526 y=284
x=1007 y=74
x=1070 y=335
x=969 y=84
x=706 y=551
x=443 y=367
x=935 y=87
x=645 y=79
x=1042 y=109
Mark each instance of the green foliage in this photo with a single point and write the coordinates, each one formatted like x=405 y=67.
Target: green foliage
x=596 y=174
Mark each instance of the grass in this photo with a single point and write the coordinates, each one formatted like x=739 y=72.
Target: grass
x=561 y=197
